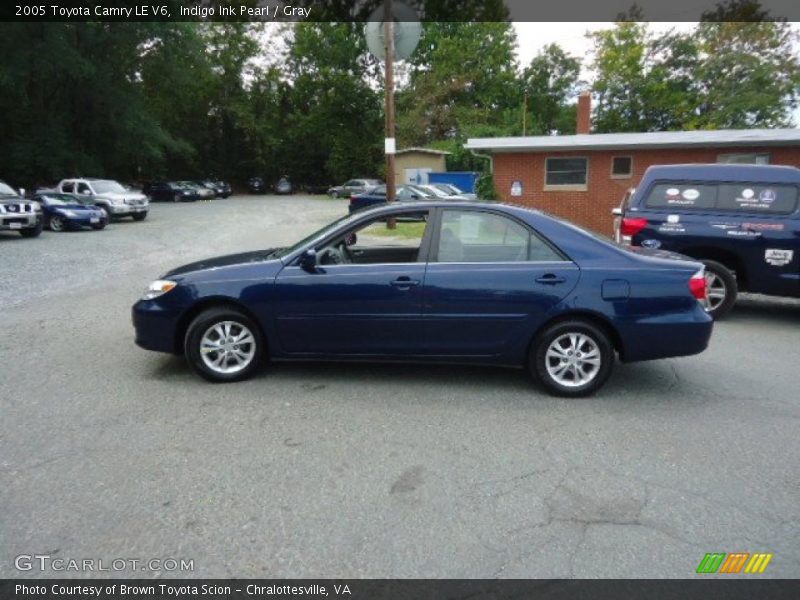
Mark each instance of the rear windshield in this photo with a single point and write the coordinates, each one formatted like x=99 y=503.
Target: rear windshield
x=734 y=197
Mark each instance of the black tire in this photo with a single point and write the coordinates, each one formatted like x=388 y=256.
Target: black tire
x=206 y=321
x=538 y=359
x=56 y=223
x=727 y=280
x=105 y=207
x=32 y=232
x=139 y=216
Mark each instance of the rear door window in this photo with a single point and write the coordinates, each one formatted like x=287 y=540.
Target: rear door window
x=682 y=195
x=761 y=198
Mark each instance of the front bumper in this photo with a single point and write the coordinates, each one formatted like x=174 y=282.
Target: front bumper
x=155 y=326
x=125 y=210
x=15 y=222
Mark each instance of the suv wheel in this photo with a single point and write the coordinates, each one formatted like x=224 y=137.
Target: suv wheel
x=139 y=216
x=722 y=289
x=572 y=358
x=224 y=345
x=32 y=232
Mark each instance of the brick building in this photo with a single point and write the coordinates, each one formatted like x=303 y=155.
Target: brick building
x=582 y=177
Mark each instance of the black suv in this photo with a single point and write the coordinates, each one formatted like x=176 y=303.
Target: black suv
x=742 y=221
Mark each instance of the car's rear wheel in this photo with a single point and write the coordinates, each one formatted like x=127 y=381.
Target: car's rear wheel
x=57 y=223
x=223 y=344
x=572 y=358
x=721 y=289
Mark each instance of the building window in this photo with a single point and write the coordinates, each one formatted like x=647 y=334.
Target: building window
x=621 y=167
x=744 y=158
x=566 y=173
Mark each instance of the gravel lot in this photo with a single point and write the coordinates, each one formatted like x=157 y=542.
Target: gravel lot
x=337 y=470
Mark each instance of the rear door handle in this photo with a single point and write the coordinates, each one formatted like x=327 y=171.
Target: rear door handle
x=402 y=282
x=550 y=279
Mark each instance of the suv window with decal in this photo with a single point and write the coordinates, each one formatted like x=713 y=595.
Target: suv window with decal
x=682 y=195
x=773 y=199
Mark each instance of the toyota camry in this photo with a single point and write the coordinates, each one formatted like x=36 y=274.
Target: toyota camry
x=434 y=281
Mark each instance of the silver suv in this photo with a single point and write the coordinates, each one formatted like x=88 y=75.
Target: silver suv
x=113 y=197
x=19 y=214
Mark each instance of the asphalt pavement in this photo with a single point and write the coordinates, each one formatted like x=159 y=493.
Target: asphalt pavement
x=348 y=470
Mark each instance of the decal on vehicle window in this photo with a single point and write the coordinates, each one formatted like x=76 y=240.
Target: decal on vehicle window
x=777 y=257
x=673 y=218
x=691 y=194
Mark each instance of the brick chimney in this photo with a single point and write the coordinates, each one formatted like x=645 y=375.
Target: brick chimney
x=584 y=124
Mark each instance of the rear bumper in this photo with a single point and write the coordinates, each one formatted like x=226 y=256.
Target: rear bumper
x=681 y=334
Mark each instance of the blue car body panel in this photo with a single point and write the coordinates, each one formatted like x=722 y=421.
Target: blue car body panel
x=426 y=310
x=758 y=239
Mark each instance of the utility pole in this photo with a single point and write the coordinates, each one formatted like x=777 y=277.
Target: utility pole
x=524 y=112
x=388 y=46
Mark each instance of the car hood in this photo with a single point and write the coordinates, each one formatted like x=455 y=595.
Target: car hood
x=223 y=261
x=78 y=207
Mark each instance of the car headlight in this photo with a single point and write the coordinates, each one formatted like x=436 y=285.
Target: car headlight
x=158 y=288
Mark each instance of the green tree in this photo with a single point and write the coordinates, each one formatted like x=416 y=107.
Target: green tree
x=550 y=82
x=749 y=74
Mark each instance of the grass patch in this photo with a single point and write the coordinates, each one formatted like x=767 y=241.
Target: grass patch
x=404 y=230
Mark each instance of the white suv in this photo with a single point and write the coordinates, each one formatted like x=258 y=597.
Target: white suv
x=113 y=197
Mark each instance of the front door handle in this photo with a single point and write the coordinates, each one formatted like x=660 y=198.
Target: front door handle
x=404 y=282
x=550 y=279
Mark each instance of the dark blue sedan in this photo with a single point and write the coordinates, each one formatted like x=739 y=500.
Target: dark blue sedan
x=65 y=211
x=451 y=282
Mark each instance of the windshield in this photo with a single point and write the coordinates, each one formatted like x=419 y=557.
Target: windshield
x=103 y=186
x=434 y=190
x=319 y=233
x=6 y=190
x=59 y=199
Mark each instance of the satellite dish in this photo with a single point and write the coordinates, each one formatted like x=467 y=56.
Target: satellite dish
x=407 y=30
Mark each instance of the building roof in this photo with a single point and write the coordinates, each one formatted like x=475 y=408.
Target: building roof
x=424 y=151
x=651 y=140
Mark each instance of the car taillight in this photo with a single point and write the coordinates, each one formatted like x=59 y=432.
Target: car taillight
x=632 y=226
x=698 y=287
x=352 y=198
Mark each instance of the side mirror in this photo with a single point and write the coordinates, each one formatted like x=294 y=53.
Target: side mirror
x=86 y=193
x=22 y=192
x=308 y=260
x=617 y=212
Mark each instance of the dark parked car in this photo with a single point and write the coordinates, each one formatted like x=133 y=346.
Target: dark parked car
x=170 y=191
x=741 y=221
x=458 y=282
x=68 y=211
x=284 y=186
x=220 y=188
x=19 y=214
x=256 y=185
x=377 y=195
x=353 y=186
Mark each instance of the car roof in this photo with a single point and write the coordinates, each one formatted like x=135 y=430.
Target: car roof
x=724 y=172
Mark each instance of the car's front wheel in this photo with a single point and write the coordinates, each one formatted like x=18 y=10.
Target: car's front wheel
x=572 y=358
x=223 y=344
x=139 y=216
x=721 y=289
x=32 y=232
x=57 y=223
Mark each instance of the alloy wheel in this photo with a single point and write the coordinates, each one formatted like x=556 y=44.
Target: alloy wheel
x=573 y=359
x=716 y=291
x=227 y=347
